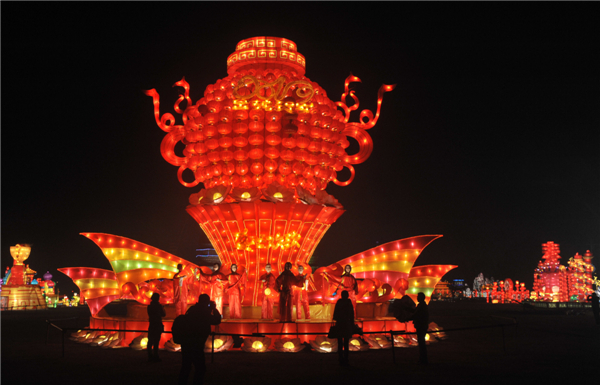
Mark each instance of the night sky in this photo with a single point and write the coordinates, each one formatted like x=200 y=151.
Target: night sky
x=490 y=138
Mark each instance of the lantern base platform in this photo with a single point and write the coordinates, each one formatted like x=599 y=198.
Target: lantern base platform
x=306 y=330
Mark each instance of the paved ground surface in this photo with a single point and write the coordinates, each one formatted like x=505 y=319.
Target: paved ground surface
x=546 y=347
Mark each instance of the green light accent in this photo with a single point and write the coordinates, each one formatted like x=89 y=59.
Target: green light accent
x=123 y=265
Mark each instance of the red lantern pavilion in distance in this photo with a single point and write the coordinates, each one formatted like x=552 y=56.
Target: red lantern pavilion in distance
x=265 y=131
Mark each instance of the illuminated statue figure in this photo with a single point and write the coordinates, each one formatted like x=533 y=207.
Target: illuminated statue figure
x=216 y=286
x=285 y=283
x=346 y=282
x=478 y=282
x=301 y=296
x=179 y=291
x=235 y=289
x=268 y=293
x=196 y=285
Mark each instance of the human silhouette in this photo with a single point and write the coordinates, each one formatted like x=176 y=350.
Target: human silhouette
x=595 y=305
x=285 y=283
x=201 y=316
x=155 y=314
x=343 y=315
x=421 y=321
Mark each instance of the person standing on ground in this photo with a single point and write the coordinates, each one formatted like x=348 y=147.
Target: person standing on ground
x=595 y=305
x=155 y=314
x=285 y=283
x=201 y=316
x=343 y=315
x=421 y=321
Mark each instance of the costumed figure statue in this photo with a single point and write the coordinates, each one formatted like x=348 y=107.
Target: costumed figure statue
x=216 y=286
x=345 y=282
x=235 y=290
x=478 y=283
x=285 y=283
x=268 y=294
x=300 y=295
x=195 y=286
x=179 y=291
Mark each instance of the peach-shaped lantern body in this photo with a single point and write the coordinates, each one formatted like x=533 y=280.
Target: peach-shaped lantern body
x=256 y=344
x=222 y=343
x=401 y=341
x=357 y=344
x=378 y=341
x=172 y=346
x=289 y=345
x=323 y=344
x=140 y=342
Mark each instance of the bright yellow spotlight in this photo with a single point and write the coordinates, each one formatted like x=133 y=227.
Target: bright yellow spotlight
x=257 y=345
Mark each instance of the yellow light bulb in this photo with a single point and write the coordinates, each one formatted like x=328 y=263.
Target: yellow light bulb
x=288 y=345
x=257 y=345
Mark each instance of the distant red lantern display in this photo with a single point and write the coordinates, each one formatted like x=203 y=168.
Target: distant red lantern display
x=553 y=282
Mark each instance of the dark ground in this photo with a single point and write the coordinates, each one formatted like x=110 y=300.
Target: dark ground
x=547 y=347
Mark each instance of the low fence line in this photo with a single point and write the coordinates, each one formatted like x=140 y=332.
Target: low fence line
x=213 y=334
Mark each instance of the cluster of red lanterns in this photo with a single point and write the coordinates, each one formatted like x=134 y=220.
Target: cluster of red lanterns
x=263 y=124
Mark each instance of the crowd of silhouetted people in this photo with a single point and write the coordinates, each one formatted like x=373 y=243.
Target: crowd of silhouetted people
x=204 y=314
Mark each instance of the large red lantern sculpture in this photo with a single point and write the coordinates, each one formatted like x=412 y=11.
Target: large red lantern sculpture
x=264 y=142
x=265 y=131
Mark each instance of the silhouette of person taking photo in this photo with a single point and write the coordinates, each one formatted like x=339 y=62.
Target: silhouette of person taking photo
x=343 y=315
x=421 y=321
x=201 y=316
x=155 y=314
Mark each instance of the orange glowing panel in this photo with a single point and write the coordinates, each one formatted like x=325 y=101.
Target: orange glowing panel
x=390 y=261
x=136 y=262
x=424 y=278
x=223 y=224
